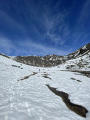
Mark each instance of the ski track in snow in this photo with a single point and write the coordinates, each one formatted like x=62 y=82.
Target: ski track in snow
x=30 y=99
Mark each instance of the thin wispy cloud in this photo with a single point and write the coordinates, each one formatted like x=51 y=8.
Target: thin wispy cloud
x=44 y=27
x=6 y=45
x=81 y=31
x=27 y=47
x=11 y=24
x=55 y=26
x=85 y=13
x=40 y=49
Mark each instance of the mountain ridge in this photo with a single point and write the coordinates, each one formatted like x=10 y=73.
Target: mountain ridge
x=51 y=60
x=33 y=90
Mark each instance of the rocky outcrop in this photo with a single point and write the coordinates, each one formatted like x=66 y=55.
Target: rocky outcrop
x=52 y=60
x=78 y=109
x=4 y=55
x=46 y=61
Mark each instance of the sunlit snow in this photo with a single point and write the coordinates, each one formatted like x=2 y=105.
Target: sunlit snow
x=30 y=99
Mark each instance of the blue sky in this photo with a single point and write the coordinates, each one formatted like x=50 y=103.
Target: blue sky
x=41 y=27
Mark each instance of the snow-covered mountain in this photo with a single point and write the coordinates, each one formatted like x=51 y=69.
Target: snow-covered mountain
x=45 y=93
x=53 y=60
x=81 y=62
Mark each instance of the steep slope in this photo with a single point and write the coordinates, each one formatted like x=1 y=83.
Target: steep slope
x=4 y=55
x=80 y=63
x=46 y=61
x=80 y=52
x=52 y=60
x=25 y=96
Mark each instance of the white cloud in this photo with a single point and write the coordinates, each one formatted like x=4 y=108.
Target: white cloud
x=85 y=13
x=50 y=22
x=40 y=49
x=6 y=45
x=11 y=23
x=56 y=28
x=27 y=47
x=79 y=33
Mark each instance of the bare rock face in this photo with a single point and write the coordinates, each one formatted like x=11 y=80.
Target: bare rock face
x=46 y=61
x=52 y=60
x=4 y=55
x=78 y=109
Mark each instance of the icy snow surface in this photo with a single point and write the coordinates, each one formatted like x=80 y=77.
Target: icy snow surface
x=30 y=99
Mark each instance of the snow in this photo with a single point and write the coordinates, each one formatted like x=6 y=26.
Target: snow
x=81 y=63
x=77 y=53
x=30 y=99
x=84 y=47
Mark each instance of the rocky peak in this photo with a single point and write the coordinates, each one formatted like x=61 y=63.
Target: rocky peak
x=51 y=60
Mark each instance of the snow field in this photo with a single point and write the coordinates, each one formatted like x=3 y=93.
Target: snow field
x=30 y=99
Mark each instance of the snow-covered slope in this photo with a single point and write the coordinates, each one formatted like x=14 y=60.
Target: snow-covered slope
x=82 y=63
x=25 y=96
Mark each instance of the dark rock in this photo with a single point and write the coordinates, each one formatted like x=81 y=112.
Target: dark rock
x=52 y=60
x=80 y=110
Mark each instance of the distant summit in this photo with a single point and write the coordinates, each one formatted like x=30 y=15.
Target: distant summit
x=52 y=60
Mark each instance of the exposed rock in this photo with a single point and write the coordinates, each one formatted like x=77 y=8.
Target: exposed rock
x=80 y=110
x=54 y=60
x=46 y=76
x=26 y=77
x=4 y=55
